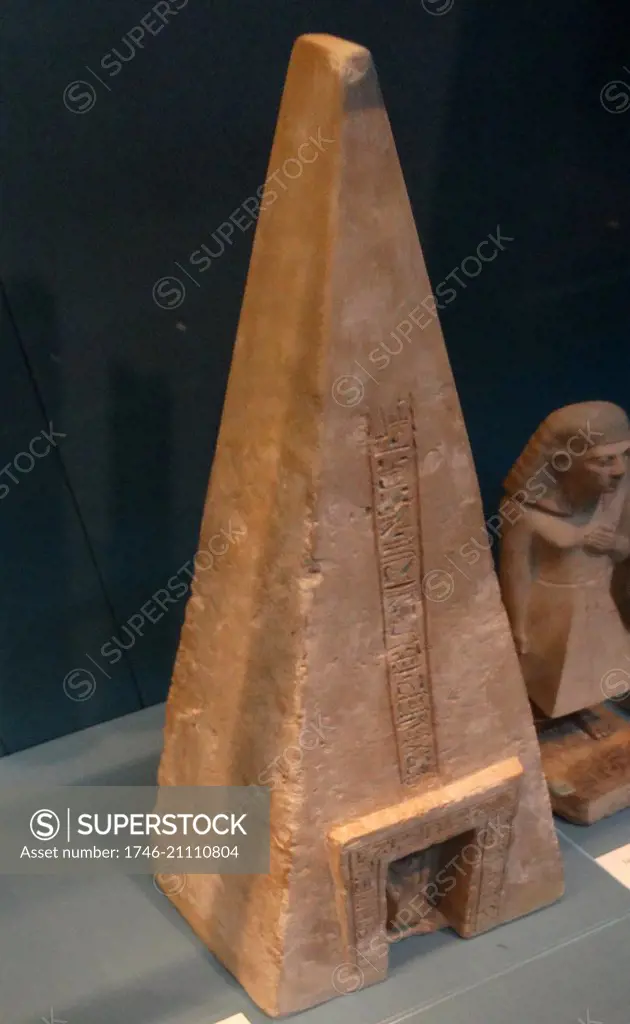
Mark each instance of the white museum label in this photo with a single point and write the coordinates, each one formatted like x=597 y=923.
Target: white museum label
x=617 y=864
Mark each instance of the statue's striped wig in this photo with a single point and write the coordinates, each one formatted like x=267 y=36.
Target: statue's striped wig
x=566 y=430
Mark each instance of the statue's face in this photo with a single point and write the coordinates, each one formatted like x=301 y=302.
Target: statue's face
x=603 y=468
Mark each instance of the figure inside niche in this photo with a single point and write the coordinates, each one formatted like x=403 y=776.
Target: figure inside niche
x=564 y=556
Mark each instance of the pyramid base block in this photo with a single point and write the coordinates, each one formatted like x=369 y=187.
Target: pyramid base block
x=586 y=761
x=433 y=860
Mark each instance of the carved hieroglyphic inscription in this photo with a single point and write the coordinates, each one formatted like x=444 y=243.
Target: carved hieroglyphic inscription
x=363 y=869
x=399 y=547
x=588 y=764
x=593 y=776
x=480 y=861
x=495 y=841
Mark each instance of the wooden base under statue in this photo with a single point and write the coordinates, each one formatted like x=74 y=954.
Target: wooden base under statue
x=586 y=761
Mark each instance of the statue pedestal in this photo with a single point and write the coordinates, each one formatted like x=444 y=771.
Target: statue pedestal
x=586 y=761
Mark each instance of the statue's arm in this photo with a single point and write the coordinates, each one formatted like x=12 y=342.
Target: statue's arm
x=622 y=539
x=515 y=575
x=555 y=530
x=597 y=537
x=621 y=547
x=621 y=551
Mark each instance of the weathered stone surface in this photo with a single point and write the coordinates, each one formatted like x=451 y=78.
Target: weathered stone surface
x=335 y=652
x=587 y=764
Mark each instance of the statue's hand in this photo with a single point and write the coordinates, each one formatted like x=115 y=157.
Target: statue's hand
x=600 y=538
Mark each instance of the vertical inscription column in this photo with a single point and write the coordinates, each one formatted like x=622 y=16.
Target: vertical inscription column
x=399 y=547
x=367 y=896
x=492 y=883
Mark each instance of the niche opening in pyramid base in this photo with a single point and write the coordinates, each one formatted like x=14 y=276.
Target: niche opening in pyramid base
x=433 y=861
x=424 y=886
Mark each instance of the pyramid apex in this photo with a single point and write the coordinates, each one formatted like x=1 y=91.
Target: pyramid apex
x=350 y=60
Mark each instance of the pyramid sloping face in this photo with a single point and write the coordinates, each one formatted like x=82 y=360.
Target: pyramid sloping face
x=333 y=651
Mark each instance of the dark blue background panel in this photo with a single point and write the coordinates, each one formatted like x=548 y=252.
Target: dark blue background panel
x=128 y=147
x=53 y=612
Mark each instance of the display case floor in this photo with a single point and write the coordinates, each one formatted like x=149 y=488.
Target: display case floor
x=112 y=949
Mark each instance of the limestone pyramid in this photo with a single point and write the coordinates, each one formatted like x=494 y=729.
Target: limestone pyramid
x=342 y=651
